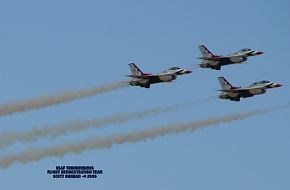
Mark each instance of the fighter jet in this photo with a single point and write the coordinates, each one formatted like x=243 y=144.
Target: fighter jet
x=209 y=60
x=145 y=79
x=235 y=93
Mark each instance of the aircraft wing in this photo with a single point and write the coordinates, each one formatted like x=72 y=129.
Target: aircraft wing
x=246 y=89
x=150 y=76
x=221 y=58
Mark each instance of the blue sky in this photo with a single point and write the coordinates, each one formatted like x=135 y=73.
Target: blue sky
x=54 y=46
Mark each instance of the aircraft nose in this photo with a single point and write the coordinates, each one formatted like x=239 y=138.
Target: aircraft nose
x=259 y=52
x=278 y=85
x=187 y=71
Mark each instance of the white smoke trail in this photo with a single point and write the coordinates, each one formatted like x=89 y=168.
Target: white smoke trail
x=45 y=101
x=34 y=154
x=10 y=137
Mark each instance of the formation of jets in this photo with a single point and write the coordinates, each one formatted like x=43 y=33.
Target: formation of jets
x=209 y=60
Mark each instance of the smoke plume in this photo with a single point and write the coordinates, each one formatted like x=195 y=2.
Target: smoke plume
x=34 y=154
x=10 y=137
x=45 y=101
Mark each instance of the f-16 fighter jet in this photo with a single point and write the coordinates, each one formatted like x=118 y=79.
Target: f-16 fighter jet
x=209 y=60
x=235 y=93
x=145 y=79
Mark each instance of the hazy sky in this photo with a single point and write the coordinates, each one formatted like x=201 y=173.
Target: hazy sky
x=58 y=46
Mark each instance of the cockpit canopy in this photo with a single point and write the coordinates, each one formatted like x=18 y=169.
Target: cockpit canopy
x=174 y=68
x=246 y=49
x=260 y=82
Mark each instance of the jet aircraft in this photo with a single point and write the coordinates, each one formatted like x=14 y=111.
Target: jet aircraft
x=235 y=93
x=209 y=60
x=145 y=79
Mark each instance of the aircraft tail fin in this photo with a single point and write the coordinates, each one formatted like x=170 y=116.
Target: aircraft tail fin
x=205 y=52
x=225 y=84
x=135 y=71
